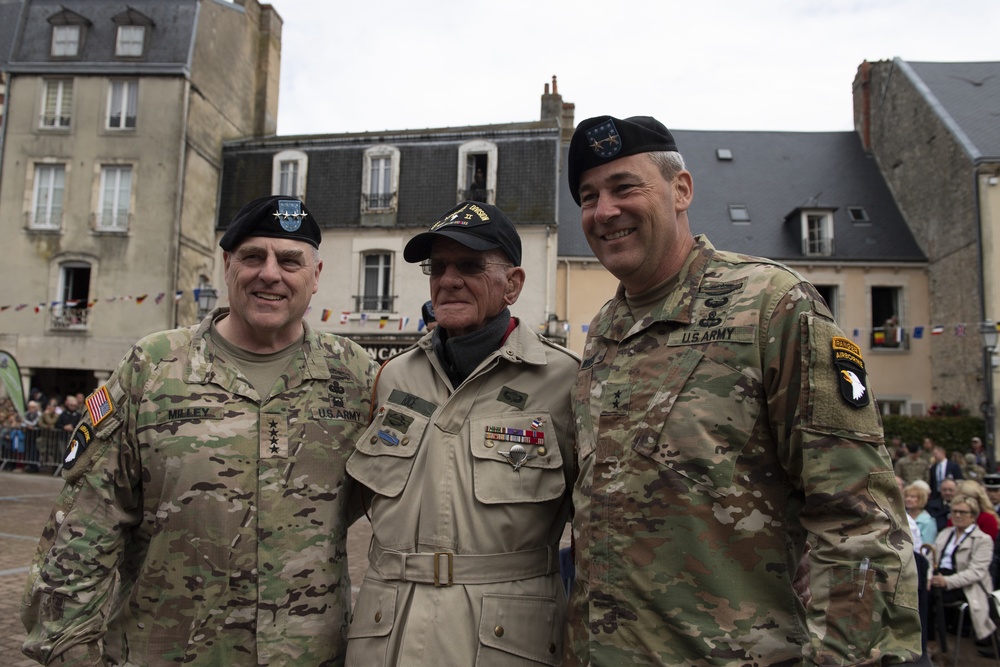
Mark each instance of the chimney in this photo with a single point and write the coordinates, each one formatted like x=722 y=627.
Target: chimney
x=554 y=107
x=862 y=104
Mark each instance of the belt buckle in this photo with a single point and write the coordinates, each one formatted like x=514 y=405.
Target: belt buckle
x=437 y=568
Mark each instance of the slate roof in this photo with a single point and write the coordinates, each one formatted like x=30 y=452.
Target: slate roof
x=774 y=174
x=168 y=49
x=526 y=182
x=9 y=13
x=967 y=98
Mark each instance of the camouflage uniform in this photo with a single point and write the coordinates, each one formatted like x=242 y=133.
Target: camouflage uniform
x=447 y=501
x=912 y=468
x=712 y=441
x=200 y=524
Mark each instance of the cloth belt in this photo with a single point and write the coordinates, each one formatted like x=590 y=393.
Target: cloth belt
x=444 y=568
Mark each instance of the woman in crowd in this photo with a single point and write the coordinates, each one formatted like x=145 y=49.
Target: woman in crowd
x=987 y=520
x=915 y=497
x=964 y=553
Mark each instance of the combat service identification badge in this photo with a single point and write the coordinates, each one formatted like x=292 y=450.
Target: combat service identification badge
x=850 y=372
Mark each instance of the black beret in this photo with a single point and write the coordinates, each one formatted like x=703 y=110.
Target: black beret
x=275 y=216
x=603 y=139
x=473 y=224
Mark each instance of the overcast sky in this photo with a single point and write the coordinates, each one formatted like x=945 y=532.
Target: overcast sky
x=701 y=64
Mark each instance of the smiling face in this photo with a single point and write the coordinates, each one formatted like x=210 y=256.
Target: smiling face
x=465 y=302
x=270 y=282
x=635 y=220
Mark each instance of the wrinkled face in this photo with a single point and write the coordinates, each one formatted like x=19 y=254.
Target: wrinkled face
x=470 y=287
x=635 y=220
x=270 y=283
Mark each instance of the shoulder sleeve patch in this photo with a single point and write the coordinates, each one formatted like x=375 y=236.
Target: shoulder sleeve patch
x=839 y=390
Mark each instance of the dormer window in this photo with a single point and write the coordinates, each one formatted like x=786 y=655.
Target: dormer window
x=133 y=29
x=130 y=41
x=68 y=32
x=66 y=41
x=477 y=171
x=817 y=233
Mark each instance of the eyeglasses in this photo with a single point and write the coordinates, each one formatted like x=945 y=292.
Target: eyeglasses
x=466 y=267
x=960 y=512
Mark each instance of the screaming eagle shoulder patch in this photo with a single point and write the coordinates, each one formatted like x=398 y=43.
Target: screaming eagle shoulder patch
x=850 y=369
x=78 y=444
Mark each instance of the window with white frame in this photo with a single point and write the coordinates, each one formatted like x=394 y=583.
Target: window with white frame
x=380 y=179
x=376 y=283
x=70 y=310
x=817 y=233
x=123 y=99
x=477 y=171
x=288 y=174
x=130 y=42
x=66 y=41
x=57 y=103
x=115 y=197
x=47 y=196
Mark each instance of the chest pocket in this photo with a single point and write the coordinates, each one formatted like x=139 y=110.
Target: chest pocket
x=383 y=456
x=696 y=421
x=498 y=444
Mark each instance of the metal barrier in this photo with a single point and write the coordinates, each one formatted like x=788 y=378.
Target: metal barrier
x=33 y=448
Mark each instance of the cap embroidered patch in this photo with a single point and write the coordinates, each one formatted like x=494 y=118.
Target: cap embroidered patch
x=290 y=214
x=604 y=139
x=468 y=214
x=99 y=405
x=850 y=371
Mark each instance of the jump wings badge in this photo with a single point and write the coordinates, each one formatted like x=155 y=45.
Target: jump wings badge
x=850 y=372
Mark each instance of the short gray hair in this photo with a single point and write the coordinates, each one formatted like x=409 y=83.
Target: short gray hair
x=668 y=162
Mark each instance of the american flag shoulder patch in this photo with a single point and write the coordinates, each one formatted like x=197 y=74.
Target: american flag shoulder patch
x=99 y=405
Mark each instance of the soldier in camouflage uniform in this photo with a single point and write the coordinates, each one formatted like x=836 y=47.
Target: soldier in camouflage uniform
x=723 y=420
x=204 y=516
x=913 y=466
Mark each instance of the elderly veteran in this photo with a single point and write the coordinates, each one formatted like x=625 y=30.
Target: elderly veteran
x=723 y=421
x=203 y=519
x=468 y=465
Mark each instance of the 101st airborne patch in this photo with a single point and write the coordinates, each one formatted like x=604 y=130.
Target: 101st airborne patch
x=850 y=370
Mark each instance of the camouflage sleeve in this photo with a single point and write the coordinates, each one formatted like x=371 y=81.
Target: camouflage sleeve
x=829 y=433
x=73 y=579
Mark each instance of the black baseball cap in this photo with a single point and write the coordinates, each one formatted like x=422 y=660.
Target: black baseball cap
x=603 y=139
x=274 y=216
x=473 y=224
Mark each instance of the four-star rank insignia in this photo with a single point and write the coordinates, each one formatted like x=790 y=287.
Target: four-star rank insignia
x=604 y=139
x=850 y=369
x=273 y=435
x=290 y=214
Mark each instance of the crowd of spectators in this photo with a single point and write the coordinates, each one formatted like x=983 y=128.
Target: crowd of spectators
x=38 y=438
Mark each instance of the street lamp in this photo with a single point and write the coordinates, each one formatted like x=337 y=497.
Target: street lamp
x=208 y=296
x=988 y=330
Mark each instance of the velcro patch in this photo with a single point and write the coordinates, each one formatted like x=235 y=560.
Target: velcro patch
x=512 y=397
x=850 y=370
x=99 y=405
x=415 y=403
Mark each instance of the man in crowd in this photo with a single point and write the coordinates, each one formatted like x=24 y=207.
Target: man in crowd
x=468 y=465
x=722 y=420
x=939 y=506
x=992 y=484
x=941 y=469
x=70 y=416
x=913 y=466
x=203 y=519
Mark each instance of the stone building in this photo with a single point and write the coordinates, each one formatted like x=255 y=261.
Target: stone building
x=815 y=202
x=932 y=128
x=373 y=191
x=116 y=114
